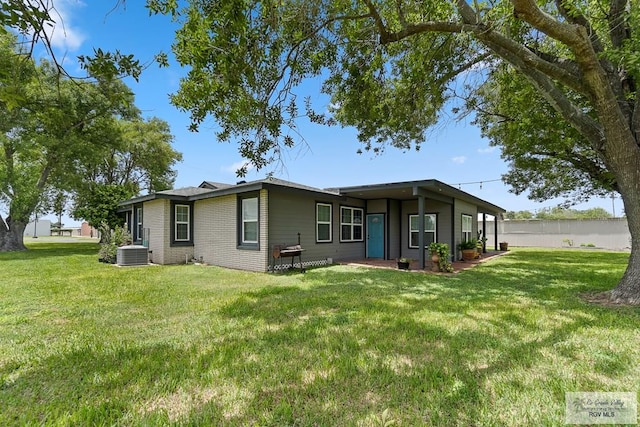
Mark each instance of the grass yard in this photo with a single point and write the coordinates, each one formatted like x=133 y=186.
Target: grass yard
x=83 y=343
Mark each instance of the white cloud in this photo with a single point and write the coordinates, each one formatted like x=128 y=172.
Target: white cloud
x=237 y=165
x=64 y=35
x=486 y=150
x=459 y=159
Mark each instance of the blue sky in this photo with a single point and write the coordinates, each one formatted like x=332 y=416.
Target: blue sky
x=454 y=153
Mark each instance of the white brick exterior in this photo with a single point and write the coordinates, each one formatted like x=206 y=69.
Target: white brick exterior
x=157 y=218
x=216 y=234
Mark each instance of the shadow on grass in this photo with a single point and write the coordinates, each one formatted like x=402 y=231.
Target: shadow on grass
x=347 y=344
x=38 y=250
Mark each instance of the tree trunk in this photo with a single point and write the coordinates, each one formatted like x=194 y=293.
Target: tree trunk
x=623 y=159
x=12 y=235
x=628 y=289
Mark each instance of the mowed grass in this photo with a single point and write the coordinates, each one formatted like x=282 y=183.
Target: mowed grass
x=83 y=343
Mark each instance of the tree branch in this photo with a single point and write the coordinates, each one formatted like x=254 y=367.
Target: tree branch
x=618 y=29
x=587 y=127
x=528 y=11
x=578 y=19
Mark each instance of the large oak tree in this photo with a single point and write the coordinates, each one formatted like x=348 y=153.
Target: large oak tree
x=390 y=66
x=69 y=135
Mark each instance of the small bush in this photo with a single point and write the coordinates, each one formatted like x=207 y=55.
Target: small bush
x=112 y=240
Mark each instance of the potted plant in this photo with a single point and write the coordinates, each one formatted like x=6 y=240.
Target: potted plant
x=468 y=249
x=404 y=262
x=440 y=257
x=481 y=245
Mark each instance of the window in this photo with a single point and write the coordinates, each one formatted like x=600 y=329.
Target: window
x=249 y=232
x=429 y=230
x=323 y=222
x=138 y=224
x=350 y=224
x=182 y=223
x=467 y=227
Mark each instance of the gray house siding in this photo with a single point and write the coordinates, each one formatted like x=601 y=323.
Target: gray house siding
x=443 y=224
x=463 y=208
x=287 y=210
x=395 y=234
x=291 y=213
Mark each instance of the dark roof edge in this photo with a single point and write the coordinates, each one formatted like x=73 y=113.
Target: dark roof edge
x=428 y=183
x=464 y=195
x=403 y=184
x=241 y=188
x=148 y=197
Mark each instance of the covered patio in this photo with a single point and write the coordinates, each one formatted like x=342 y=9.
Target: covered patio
x=458 y=266
x=403 y=218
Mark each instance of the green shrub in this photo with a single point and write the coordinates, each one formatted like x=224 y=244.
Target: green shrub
x=112 y=240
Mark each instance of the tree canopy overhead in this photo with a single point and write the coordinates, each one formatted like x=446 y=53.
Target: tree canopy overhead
x=389 y=67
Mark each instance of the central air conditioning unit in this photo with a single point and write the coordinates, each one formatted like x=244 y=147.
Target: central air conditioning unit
x=132 y=255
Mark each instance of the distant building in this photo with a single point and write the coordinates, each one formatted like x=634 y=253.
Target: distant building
x=88 y=231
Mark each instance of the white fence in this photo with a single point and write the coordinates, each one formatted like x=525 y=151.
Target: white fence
x=40 y=228
x=610 y=233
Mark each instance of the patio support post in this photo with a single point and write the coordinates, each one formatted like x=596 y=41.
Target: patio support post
x=484 y=232
x=421 y=231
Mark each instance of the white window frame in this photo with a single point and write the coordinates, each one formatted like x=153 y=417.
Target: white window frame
x=178 y=222
x=246 y=221
x=139 y=224
x=434 y=231
x=467 y=234
x=319 y=223
x=352 y=225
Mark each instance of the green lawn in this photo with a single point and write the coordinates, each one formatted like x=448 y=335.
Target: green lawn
x=83 y=343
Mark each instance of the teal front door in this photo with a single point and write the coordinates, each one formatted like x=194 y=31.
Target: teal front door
x=375 y=236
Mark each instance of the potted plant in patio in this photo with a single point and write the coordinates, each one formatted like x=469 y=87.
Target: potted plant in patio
x=468 y=249
x=440 y=257
x=480 y=245
x=404 y=262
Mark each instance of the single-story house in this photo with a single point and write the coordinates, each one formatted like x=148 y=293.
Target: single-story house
x=237 y=226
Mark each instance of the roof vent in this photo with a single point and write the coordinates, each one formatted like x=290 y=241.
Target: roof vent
x=132 y=255
x=241 y=182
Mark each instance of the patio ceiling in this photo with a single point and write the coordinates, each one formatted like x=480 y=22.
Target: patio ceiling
x=410 y=190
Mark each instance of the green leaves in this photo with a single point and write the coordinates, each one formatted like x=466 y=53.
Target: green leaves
x=99 y=204
x=553 y=84
x=547 y=158
x=112 y=65
x=84 y=137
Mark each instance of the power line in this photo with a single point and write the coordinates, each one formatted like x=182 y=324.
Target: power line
x=460 y=184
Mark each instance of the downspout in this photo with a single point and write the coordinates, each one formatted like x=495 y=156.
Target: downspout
x=495 y=231
x=421 y=231
x=387 y=231
x=452 y=249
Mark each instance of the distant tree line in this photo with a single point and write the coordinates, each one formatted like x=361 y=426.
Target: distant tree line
x=559 y=212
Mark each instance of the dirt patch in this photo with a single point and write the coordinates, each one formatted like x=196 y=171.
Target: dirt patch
x=603 y=299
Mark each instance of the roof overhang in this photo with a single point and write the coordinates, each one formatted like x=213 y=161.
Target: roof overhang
x=410 y=190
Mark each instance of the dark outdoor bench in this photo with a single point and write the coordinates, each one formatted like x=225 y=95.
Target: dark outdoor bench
x=283 y=251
